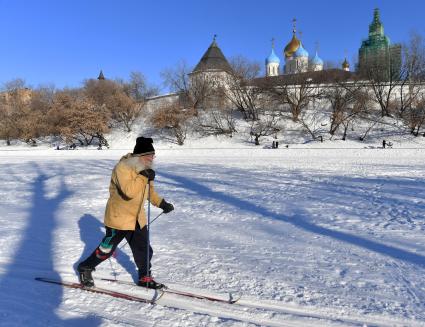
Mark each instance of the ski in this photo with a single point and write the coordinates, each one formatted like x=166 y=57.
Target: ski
x=231 y=299
x=104 y=291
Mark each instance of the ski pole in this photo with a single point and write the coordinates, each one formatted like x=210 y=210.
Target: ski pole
x=156 y=218
x=147 y=228
x=121 y=247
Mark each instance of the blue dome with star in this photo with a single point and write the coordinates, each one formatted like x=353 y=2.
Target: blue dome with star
x=317 y=60
x=301 y=52
x=272 y=58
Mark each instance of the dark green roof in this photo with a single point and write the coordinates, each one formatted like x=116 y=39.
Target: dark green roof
x=377 y=39
x=213 y=59
x=101 y=76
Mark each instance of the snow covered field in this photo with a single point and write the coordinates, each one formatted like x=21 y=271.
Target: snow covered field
x=308 y=236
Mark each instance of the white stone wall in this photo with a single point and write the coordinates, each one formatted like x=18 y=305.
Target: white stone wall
x=316 y=67
x=296 y=65
x=157 y=102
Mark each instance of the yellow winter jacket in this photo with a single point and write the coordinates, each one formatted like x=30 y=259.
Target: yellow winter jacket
x=128 y=192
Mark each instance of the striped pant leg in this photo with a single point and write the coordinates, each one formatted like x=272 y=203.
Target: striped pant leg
x=105 y=249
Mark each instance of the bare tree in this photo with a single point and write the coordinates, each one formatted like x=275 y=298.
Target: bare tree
x=295 y=92
x=413 y=78
x=348 y=99
x=110 y=95
x=384 y=77
x=32 y=123
x=312 y=121
x=369 y=114
x=299 y=96
x=202 y=95
x=14 y=85
x=57 y=115
x=196 y=90
x=78 y=118
x=340 y=99
x=177 y=77
x=358 y=107
x=240 y=88
x=100 y=91
x=265 y=125
x=36 y=118
x=173 y=120
x=125 y=110
x=415 y=116
x=8 y=122
x=42 y=97
x=17 y=118
x=414 y=57
x=218 y=118
x=138 y=88
x=217 y=121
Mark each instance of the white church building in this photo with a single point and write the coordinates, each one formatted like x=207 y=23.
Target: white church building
x=296 y=59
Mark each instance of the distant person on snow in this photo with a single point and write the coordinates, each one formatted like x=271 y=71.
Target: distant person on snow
x=131 y=180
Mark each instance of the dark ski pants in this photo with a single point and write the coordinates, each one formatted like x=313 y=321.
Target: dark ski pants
x=137 y=240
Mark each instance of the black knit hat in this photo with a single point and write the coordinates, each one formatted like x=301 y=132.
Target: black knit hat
x=144 y=146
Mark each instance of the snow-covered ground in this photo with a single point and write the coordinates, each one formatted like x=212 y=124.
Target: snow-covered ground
x=315 y=235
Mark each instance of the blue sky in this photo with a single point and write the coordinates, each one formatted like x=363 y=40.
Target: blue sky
x=65 y=42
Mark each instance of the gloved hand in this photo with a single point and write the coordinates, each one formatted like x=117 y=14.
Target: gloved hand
x=167 y=207
x=148 y=173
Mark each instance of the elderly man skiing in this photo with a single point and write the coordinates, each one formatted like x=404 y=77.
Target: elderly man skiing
x=131 y=185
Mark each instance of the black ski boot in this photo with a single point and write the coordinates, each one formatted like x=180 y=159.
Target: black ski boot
x=149 y=282
x=84 y=274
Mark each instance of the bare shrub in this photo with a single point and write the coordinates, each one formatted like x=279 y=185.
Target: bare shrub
x=111 y=96
x=173 y=121
x=78 y=119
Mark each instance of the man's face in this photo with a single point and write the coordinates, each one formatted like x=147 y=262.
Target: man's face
x=147 y=160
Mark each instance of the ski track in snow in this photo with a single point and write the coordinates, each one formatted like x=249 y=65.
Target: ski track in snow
x=309 y=237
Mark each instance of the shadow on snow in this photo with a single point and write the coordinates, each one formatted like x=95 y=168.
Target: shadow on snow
x=24 y=301
x=300 y=220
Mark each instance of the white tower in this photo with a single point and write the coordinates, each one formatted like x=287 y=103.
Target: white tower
x=300 y=60
x=272 y=63
x=316 y=63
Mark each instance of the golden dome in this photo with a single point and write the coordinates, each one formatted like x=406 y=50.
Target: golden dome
x=292 y=46
x=345 y=64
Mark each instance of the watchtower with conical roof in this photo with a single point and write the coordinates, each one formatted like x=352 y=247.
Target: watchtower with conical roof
x=213 y=60
x=212 y=67
x=101 y=77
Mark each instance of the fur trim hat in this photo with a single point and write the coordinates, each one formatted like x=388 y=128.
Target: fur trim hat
x=144 y=146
